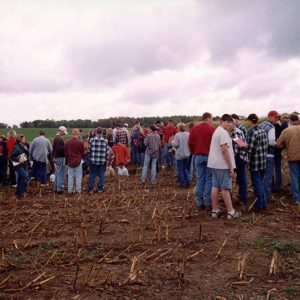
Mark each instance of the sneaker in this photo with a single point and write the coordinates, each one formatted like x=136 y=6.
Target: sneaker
x=234 y=215
x=14 y=186
x=216 y=214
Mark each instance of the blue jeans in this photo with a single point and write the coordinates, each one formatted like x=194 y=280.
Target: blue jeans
x=39 y=171
x=183 y=173
x=278 y=173
x=77 y=174
x=60 y=174
x=294 y=167
x=135 y=155
x=241 y=179
x=191 y=166
x=23 y=179
x=257 y=178
x=268 y=178
x=169 y=157
x=96 y=170
x=142 y=158
x=204 y=180
x=146 y=166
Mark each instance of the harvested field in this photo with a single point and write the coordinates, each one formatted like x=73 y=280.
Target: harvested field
x=135 y=242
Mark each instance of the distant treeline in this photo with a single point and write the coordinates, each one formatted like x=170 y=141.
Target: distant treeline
x=106 y=123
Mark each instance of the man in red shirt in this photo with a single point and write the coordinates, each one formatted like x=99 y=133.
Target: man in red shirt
x=74 y=151
x=199 y=144
x=168 y=154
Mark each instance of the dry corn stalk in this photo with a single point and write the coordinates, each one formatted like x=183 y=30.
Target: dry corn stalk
x=241 y=264
x=223 y=245
x=252 y=204
x=276 y=263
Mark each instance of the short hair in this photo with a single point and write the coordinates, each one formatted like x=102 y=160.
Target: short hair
x=181 y=126
x=235 y=116
x=75 y=131
x=153 y=128
x=227 y=118
x=294 y=118
x=253 y=118
x=206 y=115
x=99 y=130
x=42 y=132
x=170 y=121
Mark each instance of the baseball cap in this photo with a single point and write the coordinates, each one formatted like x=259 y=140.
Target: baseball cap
x=273 y=113
x=253 y=118
x=126 y=125
x=63 y=129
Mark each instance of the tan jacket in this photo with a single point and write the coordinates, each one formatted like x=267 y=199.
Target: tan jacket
x=290 y=139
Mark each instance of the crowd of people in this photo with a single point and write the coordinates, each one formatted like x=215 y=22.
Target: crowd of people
x=214 y=155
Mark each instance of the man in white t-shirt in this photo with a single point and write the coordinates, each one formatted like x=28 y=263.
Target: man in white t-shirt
x=222 y=163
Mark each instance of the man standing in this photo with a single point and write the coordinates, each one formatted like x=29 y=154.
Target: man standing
x=152 y=142
x=59 y=157
x=221 y=161
x=241 y=159
x=268 y=127
x=239 y=125
x=257 y=151
x=40 y=149
x=122 y=135
x=74 y=151
x=99 y=154
x=290 y=139
x=168 y=155
x=199 y=143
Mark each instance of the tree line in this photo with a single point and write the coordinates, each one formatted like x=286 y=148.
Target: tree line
x=106 y=123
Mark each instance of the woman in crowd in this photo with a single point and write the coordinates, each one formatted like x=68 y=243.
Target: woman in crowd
x=182 y=154
x=19 y=159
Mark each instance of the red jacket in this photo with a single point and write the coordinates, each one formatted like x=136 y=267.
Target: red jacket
x=121 y=153
x=200 y=138
x=10 y=145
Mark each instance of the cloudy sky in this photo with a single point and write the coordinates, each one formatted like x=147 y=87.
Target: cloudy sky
x=69 y=59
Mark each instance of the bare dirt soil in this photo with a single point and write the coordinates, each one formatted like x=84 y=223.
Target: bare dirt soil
x=144 y=242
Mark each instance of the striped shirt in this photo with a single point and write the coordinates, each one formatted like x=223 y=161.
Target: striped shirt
x=98 y=150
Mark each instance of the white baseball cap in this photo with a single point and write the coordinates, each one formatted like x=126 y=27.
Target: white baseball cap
x=63 y=129
x=126 y=125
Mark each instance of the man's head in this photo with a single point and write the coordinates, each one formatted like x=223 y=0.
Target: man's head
x=170 y=123
x=153 y=128
x=62 y=130
x=181 y=127
x=75 y=132
x=42 y=132
x=294 y=119
x=226 y=120
x=273 y=116
x=252 y=120
x=207 y=117
x=236 y=119
x=99 y=131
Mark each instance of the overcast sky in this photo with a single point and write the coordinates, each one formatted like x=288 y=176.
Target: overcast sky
x=95 y=59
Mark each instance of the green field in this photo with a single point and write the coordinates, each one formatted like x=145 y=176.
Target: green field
x=31 y=133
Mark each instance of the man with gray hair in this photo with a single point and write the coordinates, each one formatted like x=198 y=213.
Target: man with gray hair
x=59 y=159
x=39 y=151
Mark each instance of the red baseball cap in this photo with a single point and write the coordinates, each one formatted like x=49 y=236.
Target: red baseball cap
x=273 y=113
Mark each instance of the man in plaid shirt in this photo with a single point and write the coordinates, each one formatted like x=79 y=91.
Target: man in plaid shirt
x=99 y=153
x=122 y=135
x=257 y=150
x=241 y=159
